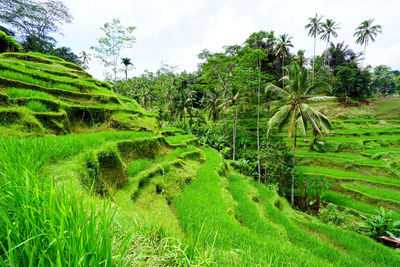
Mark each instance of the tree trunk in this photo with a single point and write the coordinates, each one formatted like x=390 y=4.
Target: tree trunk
x=234 y=134
x=266 y=157
x=126 y=74
x=294 y=162
x=283 y=72
x=326 y=51
x=258 y=125
x=313 y=64
x=365 y=48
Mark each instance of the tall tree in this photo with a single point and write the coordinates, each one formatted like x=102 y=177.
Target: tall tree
x=212 y=101
x=126 y=62
x=282 y=49
x=85 y=58
x=366 y=32
x=296 y=113
x=33 y=21
x=328 y=29
x=116 y=38
x=314 y=26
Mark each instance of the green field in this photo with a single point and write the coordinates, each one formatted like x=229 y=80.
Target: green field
x=364 y=154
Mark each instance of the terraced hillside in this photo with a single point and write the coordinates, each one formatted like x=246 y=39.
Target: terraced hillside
x=360 y=156
x=41 y=94
x=129 y=193
x=173 y=203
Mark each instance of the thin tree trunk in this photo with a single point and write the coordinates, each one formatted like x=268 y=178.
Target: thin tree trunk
x=283 y=72
x=258 y=124
x=126 y=74
x=365 y=48
x=234 y=134
x=326 y=51
x=313 y=64
x=294 y=162
x=266 y=157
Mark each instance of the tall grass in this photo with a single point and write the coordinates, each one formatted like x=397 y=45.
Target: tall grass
x=19 y=92
x=37 y=106
x=44 y=223
x=344 y=201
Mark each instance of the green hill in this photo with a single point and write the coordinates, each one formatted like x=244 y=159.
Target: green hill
x=129 y=193
x=41 y=94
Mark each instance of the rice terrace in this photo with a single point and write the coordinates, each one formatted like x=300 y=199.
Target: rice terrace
x=257 y=141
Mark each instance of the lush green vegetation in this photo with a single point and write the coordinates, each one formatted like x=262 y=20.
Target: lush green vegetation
x=201 y=171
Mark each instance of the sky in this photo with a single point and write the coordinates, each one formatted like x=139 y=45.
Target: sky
x=175 y=31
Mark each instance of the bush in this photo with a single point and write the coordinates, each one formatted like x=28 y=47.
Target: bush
x=8 y=44
x=331 y=215
x=382 y=224
x=323 y=146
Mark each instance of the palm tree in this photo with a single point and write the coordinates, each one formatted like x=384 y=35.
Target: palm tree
x=183 y=104
x=314 y=26
x=328 y=29
x=126 y=62
x=284 y=42
x=85 y=57
x=366 y=32
x=300 y=58
x=231 y=99
x=212 y=102
x=295 y=112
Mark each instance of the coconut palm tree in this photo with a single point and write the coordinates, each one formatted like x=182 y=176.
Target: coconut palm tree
x=212 y=102
x=300 y=58
x=328 y=29
x=85 y=57
x=314 y=26
x=295 y=112
x=126 y=62
x=366 y=32
x=183 y=104
x=231 y=99
x=284 y=42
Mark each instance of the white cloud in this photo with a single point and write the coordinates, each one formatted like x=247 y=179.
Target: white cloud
x=175 y=31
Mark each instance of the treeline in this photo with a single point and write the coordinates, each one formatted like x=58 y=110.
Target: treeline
x=32 y=23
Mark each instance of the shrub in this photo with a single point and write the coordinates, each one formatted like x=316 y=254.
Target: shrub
x=312 y=193
x=381 y=224
x=8 y=44
x=331 y=215
x=323 y=146
x=37 y=106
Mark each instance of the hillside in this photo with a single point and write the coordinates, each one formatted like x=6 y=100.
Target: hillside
x=41 y=94
x=360 y=156
x=147 y=196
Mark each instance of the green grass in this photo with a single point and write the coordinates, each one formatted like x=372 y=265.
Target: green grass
x=44 y=223
x=19 y=92
x=345 y=175
x=136 y=166
x=387 y=109
x=180 y=139
x=37 y=106
x=372 y=152
x=347 y=202
x=343 y=156
x=374 y=192
x=49 y=80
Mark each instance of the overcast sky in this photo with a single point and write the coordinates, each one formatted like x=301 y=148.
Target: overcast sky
x=175 y=31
